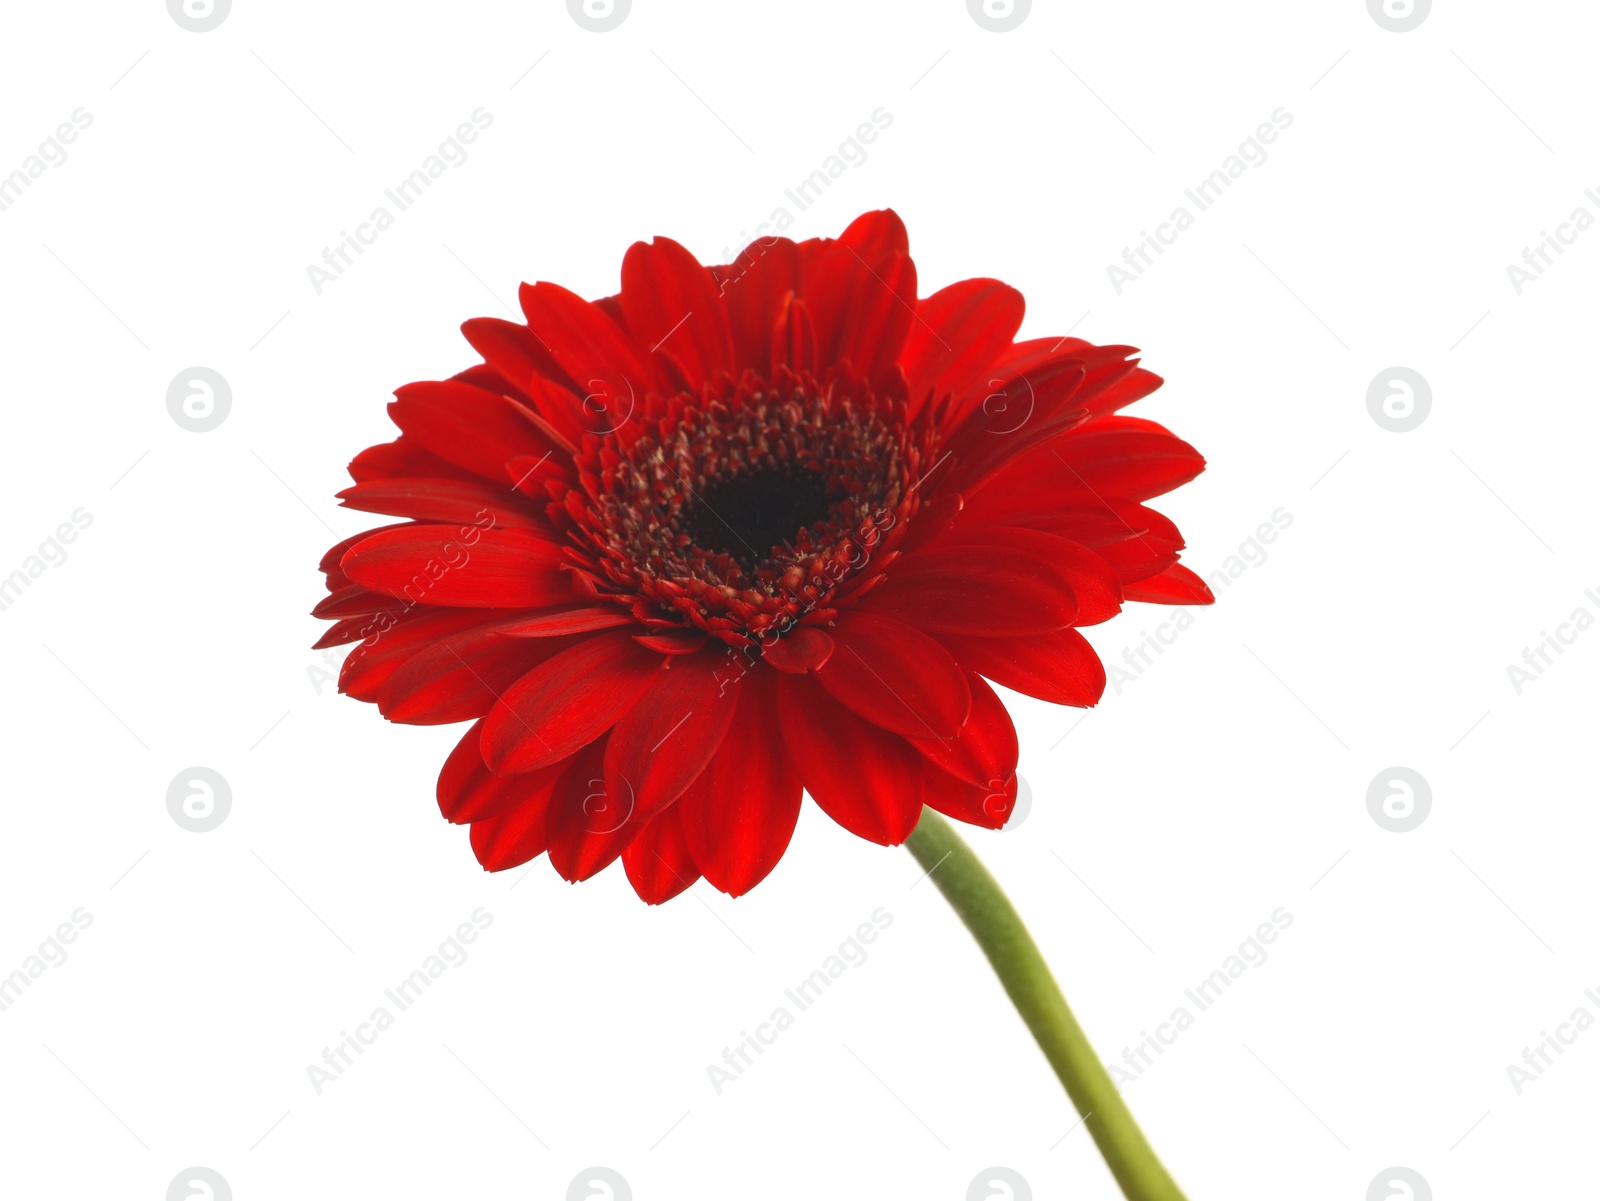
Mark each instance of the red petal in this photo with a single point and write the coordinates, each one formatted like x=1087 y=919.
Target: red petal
x=754 y=287
x=1060 y=667
x=1121 y=457
x=1134 y=541
x=865 y=778
x=589 y=827
x=469 y=792
x=567 y=702
x=467 y=426
x=442 y=500
x=862 y=276
x=794 y=340
x=1086 y=575
x=802 y=649
x=873 y=327
x=516 y=354
x=611 y=372
x=353 y=600
x=513 y=350
x=1009 y=419
x=342 y=632
x=661 y=744
x=393 y=639
x=1016 y=584
x=985 y=751
x=658 y=861
x=565 y=621
x=876 y=235
x=1177 y=585
x=557 y=412
x=460 y=677
x=1136 y=385
x=673 y=307
x=958 y=333
x=673 y=642
x=1026 y=356
x=986 y=805
x=969 y=589
x=513 y=836
x=329 y=565
x=403 y=457
x=1059 y=504
x=739 y=815
x=896 y=677
x=460 y=566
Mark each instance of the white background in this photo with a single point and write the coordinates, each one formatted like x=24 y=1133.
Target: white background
x=1226 y=780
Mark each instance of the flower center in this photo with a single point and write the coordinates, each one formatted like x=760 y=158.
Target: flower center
x=754 y=513
x=743 y=510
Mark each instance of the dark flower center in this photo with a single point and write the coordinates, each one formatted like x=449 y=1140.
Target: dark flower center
x=745 y=509
x=749 y=515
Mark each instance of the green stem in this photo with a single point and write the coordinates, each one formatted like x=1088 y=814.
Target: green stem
x=977 y=899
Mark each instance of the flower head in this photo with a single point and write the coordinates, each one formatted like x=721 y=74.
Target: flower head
x=743 y=531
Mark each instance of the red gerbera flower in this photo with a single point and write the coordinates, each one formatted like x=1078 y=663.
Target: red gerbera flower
x=745 y=530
